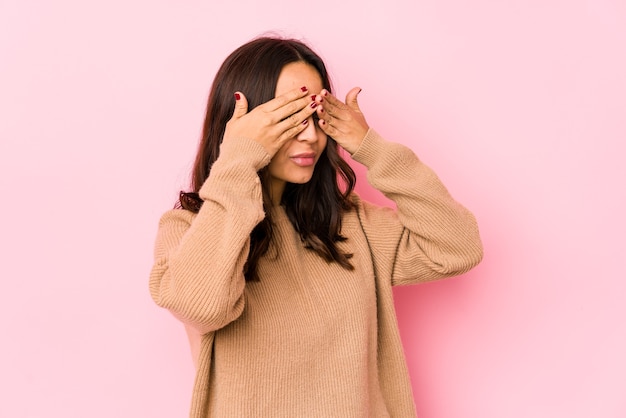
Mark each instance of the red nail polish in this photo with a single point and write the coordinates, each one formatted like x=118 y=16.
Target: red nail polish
x=304 y=122
x=303 y=88
x=237 y=96
x=313 y=97
x=313 y=105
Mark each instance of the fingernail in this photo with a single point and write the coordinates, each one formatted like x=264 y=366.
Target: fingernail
x=303 y=88
x=237 y=96
x=324 y=92
x=313 y=97
x=313 y=105
x=304 y=122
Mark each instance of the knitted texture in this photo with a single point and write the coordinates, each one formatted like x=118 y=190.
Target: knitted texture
x=310 y=338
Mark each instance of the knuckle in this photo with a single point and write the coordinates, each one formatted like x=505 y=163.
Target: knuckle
x=266 y=120
x=294 y=120
x=293 y=131
x=292 y=108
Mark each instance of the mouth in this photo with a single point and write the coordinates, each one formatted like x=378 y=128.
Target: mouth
x=305 y=159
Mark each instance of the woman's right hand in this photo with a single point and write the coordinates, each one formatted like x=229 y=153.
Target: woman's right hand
x=274 y=122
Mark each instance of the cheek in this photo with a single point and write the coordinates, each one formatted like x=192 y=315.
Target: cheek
x=322 y=140
x=279 y=160
x=280 y=155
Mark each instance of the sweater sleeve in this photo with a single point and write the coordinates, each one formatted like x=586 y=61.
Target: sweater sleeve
x=199 y=258
x=430 y=235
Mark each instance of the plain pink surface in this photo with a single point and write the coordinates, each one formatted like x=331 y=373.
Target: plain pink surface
x=520 y=106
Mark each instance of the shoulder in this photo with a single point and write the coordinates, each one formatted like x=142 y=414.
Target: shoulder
x=176 y=218
x=367 y=211
x=363 y=204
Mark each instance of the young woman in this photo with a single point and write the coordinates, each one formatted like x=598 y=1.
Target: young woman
x=281 y=274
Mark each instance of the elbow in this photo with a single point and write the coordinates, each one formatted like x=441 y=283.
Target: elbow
x=470 y=255
x=462 y=251
x=475 y=257
x=459 y=259
x=469 y=249
x=201 y=313
x=211 y=318
x=196 y=306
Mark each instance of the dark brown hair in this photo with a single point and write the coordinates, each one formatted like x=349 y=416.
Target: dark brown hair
x=315 y=208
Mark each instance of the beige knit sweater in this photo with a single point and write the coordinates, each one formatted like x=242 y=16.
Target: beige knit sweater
x=310 y=339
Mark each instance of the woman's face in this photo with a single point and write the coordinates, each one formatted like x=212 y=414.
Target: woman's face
x=295 y=160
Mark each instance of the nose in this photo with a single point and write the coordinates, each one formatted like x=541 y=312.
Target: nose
x=309 y=133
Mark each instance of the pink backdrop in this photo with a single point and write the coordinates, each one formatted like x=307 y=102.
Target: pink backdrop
x=518 y=105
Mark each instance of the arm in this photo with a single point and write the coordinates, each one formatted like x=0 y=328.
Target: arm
x=198 y=268
x=430 y=236
x=199 y=259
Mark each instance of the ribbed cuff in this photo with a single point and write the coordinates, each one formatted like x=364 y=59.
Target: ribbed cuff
x=370 y=149
x=242 y=149
x=235 y=170
x=376 y=151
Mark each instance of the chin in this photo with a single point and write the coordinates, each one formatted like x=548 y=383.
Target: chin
x=301 y=179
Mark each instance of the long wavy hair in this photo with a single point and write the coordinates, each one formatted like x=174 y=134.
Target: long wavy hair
x=315 y=208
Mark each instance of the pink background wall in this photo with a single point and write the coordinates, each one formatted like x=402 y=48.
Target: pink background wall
x=519 y=105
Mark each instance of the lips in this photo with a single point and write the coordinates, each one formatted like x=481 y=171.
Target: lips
x=304 y=159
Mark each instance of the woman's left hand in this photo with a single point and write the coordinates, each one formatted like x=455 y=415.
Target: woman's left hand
x=343 y=121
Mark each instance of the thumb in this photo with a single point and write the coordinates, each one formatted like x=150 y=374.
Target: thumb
x=351 y=98
x=241 y=105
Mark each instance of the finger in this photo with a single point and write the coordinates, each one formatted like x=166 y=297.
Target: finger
x=327 y=128
x=293 y=131
x=336 y=118
x=323 y=115
x=241 y=105
x=291 y=109
x=334 y=107
x=293 y=121
x=351 y=99
x=284 y=99
x=330 y=99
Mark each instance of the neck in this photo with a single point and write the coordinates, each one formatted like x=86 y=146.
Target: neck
x=276 y=191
